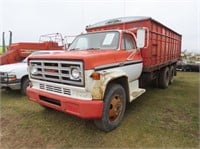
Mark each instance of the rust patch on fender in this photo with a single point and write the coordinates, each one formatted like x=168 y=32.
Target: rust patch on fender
x=97 y=91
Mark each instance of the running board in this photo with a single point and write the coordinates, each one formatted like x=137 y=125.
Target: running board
x=136 y=93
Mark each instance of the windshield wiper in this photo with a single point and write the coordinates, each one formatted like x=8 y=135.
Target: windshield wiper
x=73 y=49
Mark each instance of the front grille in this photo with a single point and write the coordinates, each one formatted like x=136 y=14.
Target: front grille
x=42 y=86
x=55 y=89
x=3 y=76
x=66 y=91
x=57 y=71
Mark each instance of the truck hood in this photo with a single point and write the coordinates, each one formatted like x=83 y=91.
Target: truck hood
x=13 y=67
x=91 y=58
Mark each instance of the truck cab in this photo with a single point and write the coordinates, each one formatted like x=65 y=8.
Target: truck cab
x=122 y=44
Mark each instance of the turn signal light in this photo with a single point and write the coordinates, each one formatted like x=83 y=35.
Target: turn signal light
x=95 y=76
x=12 y=79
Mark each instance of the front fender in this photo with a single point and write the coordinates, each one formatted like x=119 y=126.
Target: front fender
x=100 y=86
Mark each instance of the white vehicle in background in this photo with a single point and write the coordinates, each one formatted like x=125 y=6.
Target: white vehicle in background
x=15 y=76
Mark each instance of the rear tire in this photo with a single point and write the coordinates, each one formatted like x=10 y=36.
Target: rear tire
x=114 y=108
x=164 y=78
x=171 y=74
x=24 y=85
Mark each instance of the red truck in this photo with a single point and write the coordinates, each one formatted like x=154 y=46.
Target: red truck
x=17 y=52
x=105 y=69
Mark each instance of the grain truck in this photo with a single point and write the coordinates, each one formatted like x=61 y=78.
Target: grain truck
x=105 y=69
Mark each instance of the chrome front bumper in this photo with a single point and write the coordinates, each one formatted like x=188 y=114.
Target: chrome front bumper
x=12 y=85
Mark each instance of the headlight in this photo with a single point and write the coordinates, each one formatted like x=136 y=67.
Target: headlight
x=33 y=70
x=10 y=76
x=75 y=73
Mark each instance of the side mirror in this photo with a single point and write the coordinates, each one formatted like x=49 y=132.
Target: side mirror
x=141 y=37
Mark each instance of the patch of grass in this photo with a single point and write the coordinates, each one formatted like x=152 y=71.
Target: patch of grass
x=159 y=118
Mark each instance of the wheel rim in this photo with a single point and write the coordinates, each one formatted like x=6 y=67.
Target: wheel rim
x=115 y=107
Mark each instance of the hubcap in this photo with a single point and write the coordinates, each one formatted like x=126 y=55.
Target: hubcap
x=115 y=107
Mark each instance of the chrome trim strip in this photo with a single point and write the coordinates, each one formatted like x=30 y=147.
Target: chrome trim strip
x=114 y=65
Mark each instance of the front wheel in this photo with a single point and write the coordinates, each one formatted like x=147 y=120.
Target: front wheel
x=114 y=108
x=24 y=85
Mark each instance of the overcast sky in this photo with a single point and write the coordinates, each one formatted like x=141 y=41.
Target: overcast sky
x=28 y=19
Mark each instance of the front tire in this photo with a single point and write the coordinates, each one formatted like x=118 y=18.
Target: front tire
x=24 y=85
x=114 y=108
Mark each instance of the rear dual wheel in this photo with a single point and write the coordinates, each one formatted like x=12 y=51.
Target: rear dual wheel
x=114 y=108
x=164 y=78
x=171 y=73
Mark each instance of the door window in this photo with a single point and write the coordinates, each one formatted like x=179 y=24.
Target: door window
x=128 y=42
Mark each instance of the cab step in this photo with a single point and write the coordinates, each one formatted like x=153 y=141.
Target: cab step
x=136 y=93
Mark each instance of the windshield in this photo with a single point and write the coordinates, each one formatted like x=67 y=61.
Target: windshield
x=100 y=40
